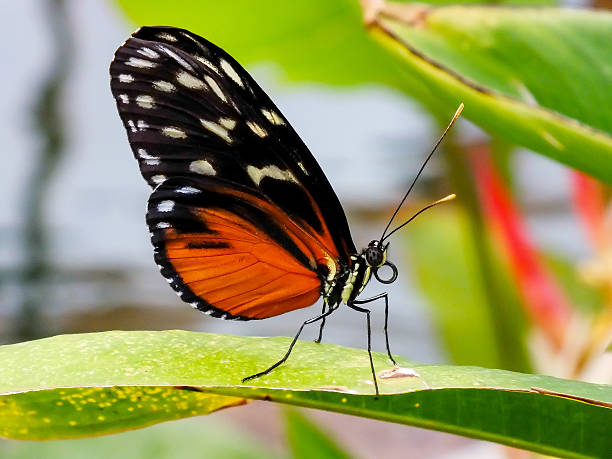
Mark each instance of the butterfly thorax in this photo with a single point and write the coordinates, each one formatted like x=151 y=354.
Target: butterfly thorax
x=352 y=278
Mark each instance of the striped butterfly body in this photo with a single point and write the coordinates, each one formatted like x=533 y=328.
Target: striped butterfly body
x=243 y=221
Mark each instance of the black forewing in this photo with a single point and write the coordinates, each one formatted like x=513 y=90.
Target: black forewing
x=190 y=110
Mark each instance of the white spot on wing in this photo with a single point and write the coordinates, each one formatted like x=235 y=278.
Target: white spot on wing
x=189 y=81
x=217 y=129
x=140 y=63
x=126 y=78
x=152 y=162
x=227 y=123
x=148 y=52
x=215 y=87
x=142 y=153
x=157 y=179
x=202 y=167
x=166 y=36
x=208 y=64
x=145 y=101
x=132 y=126
x=273 y=171
x=142 y=125
x=187 y=190
x=174 y=132
x=230 y=72
x=302 y=167
x=257 y=129
x=182 y=62
x=273 y=117
x=163 y=225
x=124 y=98
x=187 y=35
x=164 y=86
x=165 y=206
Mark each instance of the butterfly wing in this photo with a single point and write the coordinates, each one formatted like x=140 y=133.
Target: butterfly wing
x=228 y=251
x=194 y=115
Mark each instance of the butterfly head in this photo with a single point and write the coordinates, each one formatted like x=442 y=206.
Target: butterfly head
x=376 y=257
x=376 y=254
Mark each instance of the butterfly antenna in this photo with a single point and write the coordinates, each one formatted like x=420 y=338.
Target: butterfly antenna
x=450 y=197
x=457 y=113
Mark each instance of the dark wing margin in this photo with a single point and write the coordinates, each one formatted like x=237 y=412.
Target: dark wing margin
x=190 y=110
x=236 y=257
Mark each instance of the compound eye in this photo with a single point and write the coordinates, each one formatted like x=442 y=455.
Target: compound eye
x=374 y=256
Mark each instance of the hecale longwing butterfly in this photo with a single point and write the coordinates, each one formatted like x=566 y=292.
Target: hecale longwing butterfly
x=243 y=221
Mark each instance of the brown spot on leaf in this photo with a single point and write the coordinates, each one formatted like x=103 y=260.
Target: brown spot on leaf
x=399 y=372
x=411 y=14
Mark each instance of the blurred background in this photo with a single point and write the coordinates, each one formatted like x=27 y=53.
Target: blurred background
x=506 y=277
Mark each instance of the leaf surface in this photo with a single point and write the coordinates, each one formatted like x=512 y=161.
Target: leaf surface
x=73 y=386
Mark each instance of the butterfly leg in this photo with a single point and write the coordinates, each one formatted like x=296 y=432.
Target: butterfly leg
x=367 y=313
x=320 y=337
x=374 y=298
x=295 y=338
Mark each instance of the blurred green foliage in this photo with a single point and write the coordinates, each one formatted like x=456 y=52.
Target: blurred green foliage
x=511 y=67
x=308 y=441
x=185 y=439
x=451 y=275
x=310 y=40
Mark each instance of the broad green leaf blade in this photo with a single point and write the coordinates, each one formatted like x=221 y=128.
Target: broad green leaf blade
x=539 y=78
x=74 y=412
x=307 y=441
x=104 y=374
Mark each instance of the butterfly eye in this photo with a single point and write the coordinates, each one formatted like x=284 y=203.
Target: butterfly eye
x=374 y=255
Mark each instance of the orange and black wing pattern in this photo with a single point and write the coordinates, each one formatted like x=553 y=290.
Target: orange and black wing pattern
x=244 y=223
x=230 y=252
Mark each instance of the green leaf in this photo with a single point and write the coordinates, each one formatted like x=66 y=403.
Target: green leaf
x=72 y=386
x=333 y=45
x=308 y=441
x=539 y=78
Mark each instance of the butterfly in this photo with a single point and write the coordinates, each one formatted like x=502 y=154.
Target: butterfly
x=243 y=221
